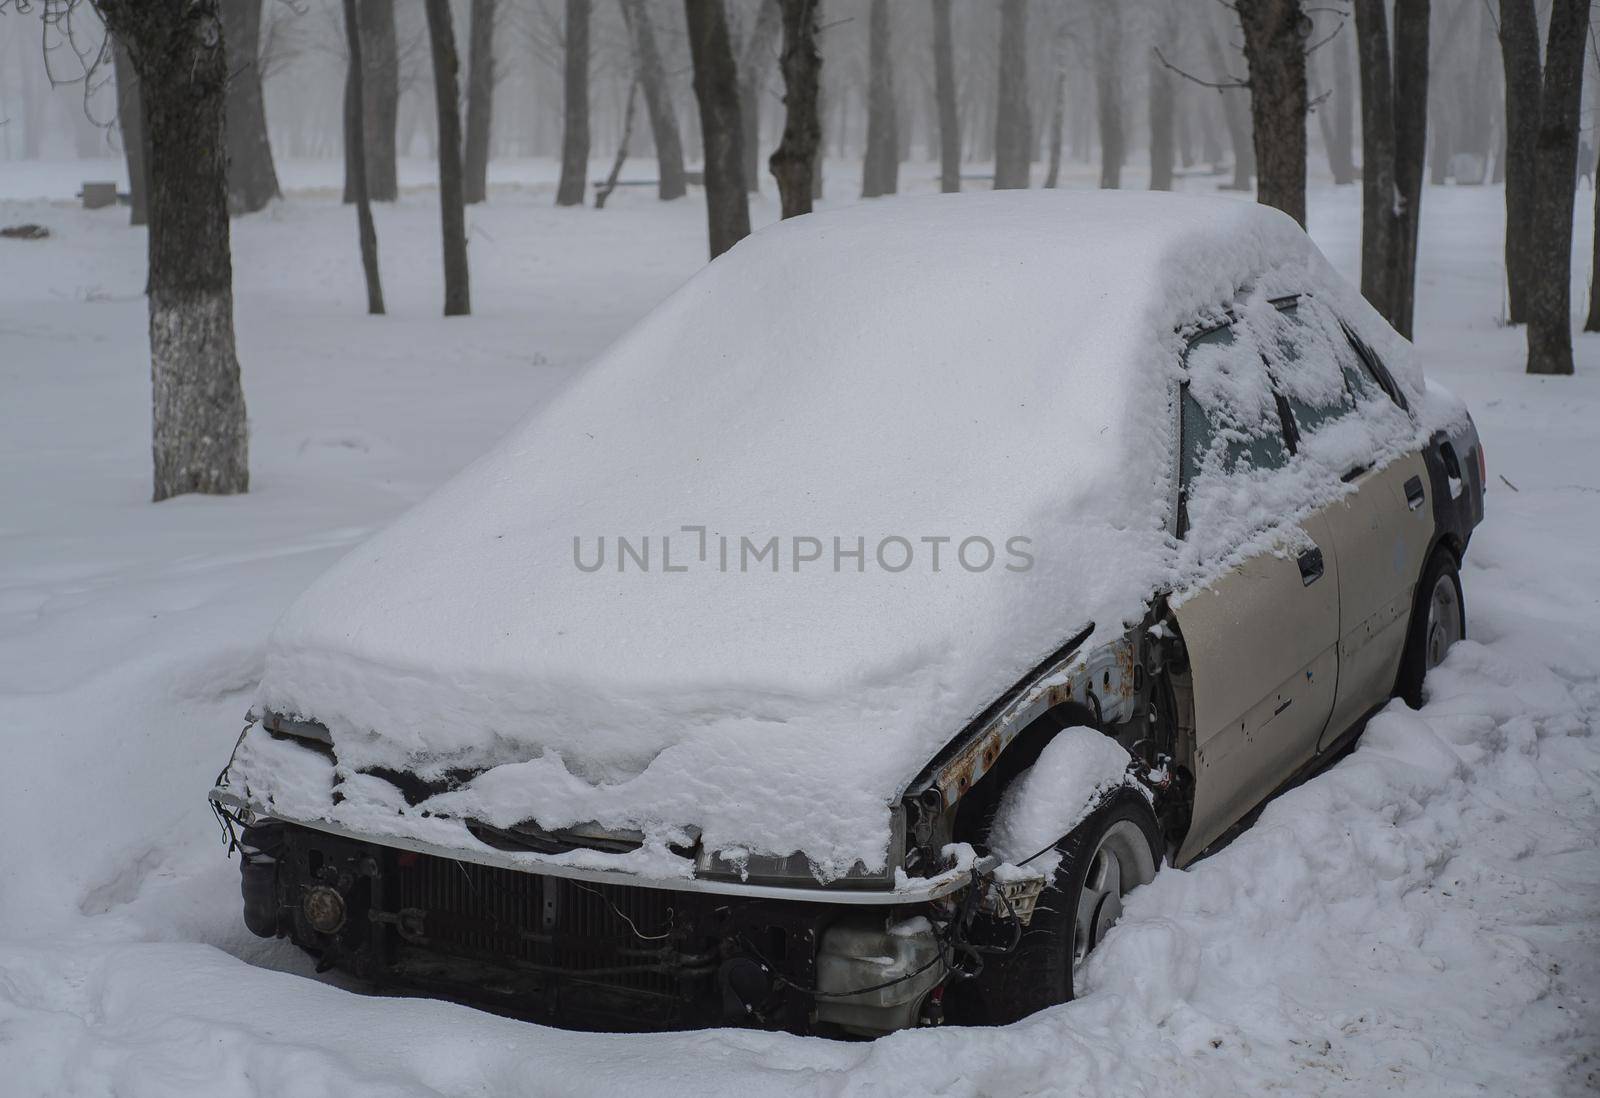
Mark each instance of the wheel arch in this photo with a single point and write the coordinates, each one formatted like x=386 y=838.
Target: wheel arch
x=975 y=811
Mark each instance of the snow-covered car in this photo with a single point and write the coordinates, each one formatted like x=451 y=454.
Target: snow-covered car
x=842 y=646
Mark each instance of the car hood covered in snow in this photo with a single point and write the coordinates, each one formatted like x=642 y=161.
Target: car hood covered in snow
x=976 y=366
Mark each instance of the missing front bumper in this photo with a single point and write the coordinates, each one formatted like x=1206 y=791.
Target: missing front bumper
x=584 y=955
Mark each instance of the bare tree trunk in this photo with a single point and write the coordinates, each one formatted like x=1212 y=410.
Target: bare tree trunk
x=1380 y=227
x=822 y=142
x=1108 y=93
x=1057 y=118
x=1275 y=51
x=252 y=180
x=198 y=427
x=135 y=139
x=1480 y=133
x=452 y=211
x=575 y=132
x=754 y=67
x=1411 y=18
x=796 y=160
x=381 y=96
x=1335 y=117
x=350 y=120
x=716 y=88
x=1183 y=120
x=1161 y=146
x=1236 y=115
x=1344 y=167
x=1394 y=118
x=658 y=99
x=1443 y=122
x=1012 y=126
x=480 y=102
x=1556 y=156
x=880 y=169
x=1210 y=141
x=1519 y=49
x=1592 y=322
x=944 y=79
x=601 y=195
x=358 y=165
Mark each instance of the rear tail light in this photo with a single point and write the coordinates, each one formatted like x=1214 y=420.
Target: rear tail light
x=1483 y=469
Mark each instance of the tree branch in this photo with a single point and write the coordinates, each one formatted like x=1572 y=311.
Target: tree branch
x=1329 y=37
x=1218 y=85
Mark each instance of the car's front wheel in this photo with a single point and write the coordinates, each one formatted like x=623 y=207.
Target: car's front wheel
x=1111 y=853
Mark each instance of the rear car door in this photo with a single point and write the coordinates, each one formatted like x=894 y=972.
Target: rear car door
x=1382 y=529
x=1261 y=639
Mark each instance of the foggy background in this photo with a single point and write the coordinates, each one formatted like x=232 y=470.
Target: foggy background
x=1092 y=71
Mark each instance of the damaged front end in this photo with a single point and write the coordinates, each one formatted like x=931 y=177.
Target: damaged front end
x=604 y=955
x=559 y=925
x=753 y=941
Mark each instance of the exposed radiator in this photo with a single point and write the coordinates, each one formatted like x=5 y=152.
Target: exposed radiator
x=616 y=935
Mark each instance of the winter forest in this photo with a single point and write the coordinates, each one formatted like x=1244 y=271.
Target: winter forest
x=337 y=332
x=995 y=95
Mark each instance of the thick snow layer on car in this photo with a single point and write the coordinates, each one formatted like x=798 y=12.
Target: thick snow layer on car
x=993 y=367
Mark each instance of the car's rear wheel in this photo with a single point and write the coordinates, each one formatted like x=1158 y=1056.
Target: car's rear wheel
x=1439 y=621
x=1111 y=853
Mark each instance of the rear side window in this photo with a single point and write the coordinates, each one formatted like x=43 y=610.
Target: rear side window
x=1358 y=376
x=1230 y=419
x=1305 y=357
x=1372 y=368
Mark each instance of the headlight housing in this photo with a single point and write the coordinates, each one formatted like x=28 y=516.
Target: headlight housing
x=795 y=870
x=301 y=730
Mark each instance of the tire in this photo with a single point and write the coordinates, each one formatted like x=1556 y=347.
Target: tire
x=1073 y=914
x=1438 y=620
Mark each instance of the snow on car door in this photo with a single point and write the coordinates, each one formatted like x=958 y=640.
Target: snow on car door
x=1260 y=638
x=1382 y=529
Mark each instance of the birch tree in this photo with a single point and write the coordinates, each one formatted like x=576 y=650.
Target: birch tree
x=198 y=429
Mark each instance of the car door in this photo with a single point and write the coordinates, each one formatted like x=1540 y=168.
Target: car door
x=1381 y=529
x=1261 y=639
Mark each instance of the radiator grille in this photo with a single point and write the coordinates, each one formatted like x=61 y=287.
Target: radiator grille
x=615 y=935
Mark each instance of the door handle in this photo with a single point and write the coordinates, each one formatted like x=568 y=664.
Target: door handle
x=1311 y=567
x=1414 y=493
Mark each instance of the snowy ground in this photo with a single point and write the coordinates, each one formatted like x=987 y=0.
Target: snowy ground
x=1425 y=917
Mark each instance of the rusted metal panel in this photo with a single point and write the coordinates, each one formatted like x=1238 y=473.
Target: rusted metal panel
x=1105 y=680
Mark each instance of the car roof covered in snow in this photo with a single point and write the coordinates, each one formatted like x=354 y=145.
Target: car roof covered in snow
x=982 y=366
